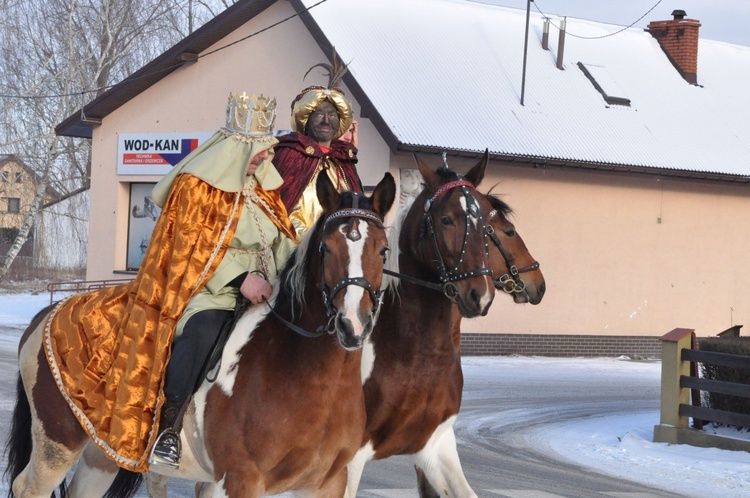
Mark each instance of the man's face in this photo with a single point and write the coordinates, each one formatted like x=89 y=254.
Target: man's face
x=323 y=123
x=256 y=161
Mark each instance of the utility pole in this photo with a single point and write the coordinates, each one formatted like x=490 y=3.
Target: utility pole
x=525 y=49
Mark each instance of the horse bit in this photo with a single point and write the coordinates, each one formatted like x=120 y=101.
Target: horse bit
x=511 y=282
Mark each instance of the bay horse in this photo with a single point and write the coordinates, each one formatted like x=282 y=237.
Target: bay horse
x=413 y=393
x=286 y=412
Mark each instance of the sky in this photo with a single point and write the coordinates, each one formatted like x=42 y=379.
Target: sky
x=619 y=445
x=722 y=20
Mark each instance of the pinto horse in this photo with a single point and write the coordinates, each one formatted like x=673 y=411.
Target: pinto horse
x=517 y=274
x=413 y=393
x=286 y=411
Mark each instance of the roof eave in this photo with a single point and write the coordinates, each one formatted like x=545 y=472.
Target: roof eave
x=547 y=162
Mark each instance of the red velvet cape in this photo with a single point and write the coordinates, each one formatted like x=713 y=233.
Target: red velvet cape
x=296 y=158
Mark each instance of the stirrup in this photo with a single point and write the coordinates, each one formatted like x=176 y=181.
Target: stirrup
x=167 y=450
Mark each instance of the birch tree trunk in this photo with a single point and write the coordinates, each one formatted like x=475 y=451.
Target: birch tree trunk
x=57 y=55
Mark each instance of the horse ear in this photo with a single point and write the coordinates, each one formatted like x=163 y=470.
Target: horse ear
x=476 y=174
x=431 y=179
x=384 y=195
x=327 y=194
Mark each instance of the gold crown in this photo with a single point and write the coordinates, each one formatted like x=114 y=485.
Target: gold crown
x=252 y=116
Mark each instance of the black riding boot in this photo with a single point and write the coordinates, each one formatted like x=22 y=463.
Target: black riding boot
x=190 y=352
x=168 y=447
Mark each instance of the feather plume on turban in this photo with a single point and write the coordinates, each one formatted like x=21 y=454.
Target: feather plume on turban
x=311 y=97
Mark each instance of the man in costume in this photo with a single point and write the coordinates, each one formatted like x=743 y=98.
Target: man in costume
x=223 y=231
x=320 y=116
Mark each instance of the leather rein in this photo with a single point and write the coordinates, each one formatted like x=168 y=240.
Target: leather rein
x=446 y=276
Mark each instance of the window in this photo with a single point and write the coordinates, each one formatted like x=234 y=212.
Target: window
x=19 y=177
x=14 y=205
x=5 y=176
x=605 y=84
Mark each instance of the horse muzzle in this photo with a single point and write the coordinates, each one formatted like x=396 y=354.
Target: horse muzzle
x=353 y=337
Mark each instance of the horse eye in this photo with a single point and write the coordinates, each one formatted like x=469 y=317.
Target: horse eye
x=510 y=233
x=384 y=252
x=446 y=220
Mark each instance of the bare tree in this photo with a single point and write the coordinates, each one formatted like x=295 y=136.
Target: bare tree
x=55 y=56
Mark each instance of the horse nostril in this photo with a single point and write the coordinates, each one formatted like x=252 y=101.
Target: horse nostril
x=542 y=288
x=476 y=298
x=344 y=325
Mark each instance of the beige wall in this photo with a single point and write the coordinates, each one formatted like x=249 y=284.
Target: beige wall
x=611 y=268
x=193 y=99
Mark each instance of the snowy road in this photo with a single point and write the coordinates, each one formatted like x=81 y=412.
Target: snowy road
x=529 y=427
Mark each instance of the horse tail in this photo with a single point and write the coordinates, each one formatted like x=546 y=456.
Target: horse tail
x=18 y=447
x=125 y=485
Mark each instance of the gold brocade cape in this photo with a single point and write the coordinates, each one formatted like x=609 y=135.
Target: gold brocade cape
x=108 y=349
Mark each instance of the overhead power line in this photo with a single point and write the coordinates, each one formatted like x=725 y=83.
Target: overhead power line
x=568 y=33
x=170 y=68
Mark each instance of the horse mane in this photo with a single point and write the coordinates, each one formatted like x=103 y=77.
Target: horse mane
x=394 y=234
x=499 y=205
x=294 y=276
x=447 y=174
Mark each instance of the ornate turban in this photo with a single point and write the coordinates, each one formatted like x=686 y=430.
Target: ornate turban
x=310 y=98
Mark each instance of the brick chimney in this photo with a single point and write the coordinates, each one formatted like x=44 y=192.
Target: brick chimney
x=679 y=40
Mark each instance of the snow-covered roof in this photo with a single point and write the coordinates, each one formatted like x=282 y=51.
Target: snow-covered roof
x=446 y=74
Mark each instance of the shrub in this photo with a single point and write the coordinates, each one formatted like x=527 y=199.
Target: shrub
x=729 y=345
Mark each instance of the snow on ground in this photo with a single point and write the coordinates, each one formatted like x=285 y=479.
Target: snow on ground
x=623 y=446
x=619 y=445
x=16 y=311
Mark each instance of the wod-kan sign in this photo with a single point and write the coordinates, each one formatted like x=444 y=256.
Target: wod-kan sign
x=155 y=153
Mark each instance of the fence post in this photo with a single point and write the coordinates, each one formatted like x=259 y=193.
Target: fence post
x=672 y=367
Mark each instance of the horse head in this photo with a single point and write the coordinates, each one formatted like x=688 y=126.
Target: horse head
x=451 y=238
x=353 y=246
x=515 y=271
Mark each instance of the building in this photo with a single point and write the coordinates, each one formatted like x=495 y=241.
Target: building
x=18 y=184
x=627 y=164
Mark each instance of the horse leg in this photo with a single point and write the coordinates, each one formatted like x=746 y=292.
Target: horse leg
x=240 y=484
x=94 y=475
x=441 y=466
x=57 y=438
x=423 y=485
x=355 y=468
x=156 y=485
x=203 y=490
x=333 y=487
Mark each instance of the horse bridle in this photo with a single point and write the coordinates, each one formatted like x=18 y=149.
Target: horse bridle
x=355 y=213
x=446 y=276
x=511 y=282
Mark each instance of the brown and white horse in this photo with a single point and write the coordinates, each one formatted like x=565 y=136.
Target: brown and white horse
x=413 y=393
x=285 y=412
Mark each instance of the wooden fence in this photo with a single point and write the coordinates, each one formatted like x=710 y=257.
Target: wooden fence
x=681 y=389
